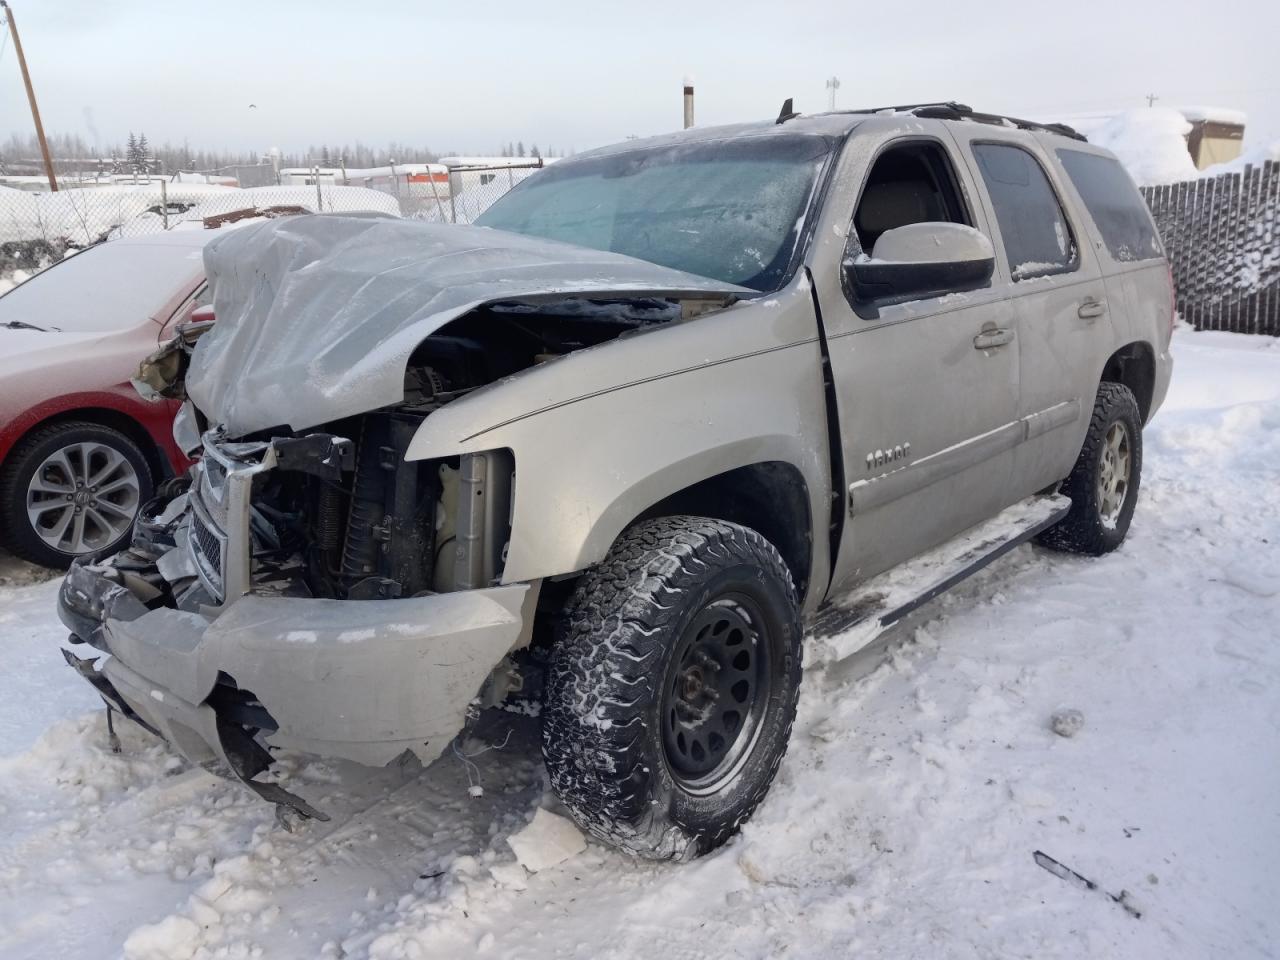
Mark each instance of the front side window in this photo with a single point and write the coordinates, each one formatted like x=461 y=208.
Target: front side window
x=1037 y=238
x=733 y=210
x=909 y=183
x=1115 y=205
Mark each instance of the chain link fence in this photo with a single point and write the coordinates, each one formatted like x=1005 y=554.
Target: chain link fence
x=1222 y=237
x=39 y=228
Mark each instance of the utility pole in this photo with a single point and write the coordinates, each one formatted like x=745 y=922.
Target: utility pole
x=1151 y=99
x=833 y=85
x=31 y=96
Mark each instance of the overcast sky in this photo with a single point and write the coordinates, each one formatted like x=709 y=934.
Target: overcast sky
x=469 y=76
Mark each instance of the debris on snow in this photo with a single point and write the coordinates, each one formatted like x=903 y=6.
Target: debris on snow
x=1063 y=872
x=1067 y=723
x=548 y=839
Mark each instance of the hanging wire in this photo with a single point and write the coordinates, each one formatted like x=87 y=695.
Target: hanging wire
x=474 y=787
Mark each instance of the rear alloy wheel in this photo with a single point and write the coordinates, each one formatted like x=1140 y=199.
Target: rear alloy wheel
x=672 y=690
x=1103 y=485
x=1114 y=473
x=70 y=490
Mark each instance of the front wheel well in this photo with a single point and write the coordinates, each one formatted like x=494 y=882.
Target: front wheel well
x=771 y=498
x=104 y=417
x=1134 y=365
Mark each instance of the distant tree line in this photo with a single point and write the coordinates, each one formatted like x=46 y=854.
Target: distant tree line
x=72 y=154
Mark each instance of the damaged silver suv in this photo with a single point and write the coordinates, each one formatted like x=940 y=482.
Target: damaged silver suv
x=665 y=410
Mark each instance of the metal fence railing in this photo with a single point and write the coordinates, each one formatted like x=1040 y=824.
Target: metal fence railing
x=472 y=188
x=39 y=228
x=1222 y=237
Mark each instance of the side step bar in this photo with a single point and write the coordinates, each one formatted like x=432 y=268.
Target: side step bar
x=883 y=600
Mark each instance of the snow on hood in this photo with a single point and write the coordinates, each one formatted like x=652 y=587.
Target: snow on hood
x=317 y=316
x=19 y=349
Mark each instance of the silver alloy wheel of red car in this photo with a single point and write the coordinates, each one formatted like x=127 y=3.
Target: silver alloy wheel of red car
x=83 y=497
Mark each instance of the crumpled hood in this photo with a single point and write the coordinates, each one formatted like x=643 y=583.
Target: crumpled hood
x=317 y=315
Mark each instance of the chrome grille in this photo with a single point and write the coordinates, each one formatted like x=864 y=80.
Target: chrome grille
x=218 y=530
x=207 y=549
x=206 y=542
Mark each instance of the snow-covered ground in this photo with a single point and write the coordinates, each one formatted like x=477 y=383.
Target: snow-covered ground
x=921 y=779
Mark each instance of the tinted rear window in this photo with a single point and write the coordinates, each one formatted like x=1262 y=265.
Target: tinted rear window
x=1037 y=238
x=1115 y=205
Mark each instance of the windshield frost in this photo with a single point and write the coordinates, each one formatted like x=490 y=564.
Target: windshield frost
x=731 y=210
x=112 y=286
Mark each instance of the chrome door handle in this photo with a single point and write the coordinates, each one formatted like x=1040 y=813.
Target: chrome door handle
x=1091 y=308
x=992 y=337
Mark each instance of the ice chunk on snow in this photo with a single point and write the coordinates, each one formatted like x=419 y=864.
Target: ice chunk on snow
x=509 y=875
x=548 y=839
x=173 y=938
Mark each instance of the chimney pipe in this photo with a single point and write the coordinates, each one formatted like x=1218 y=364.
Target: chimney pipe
x=688 y=102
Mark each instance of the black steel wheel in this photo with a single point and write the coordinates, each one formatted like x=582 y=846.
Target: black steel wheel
x=673 y=688
x=716 y=692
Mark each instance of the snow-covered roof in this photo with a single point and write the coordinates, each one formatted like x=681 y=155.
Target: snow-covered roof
x=1214 y=115
x=399 y=170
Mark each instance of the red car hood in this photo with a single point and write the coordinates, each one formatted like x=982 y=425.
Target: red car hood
x=21 y=350
x=37 y=367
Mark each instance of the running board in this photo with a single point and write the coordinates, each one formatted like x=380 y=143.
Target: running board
x=885 y=599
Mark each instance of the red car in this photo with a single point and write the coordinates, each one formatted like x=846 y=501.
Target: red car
x=80 y=450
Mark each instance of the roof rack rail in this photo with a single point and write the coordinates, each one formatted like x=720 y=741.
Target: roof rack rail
x=950 y=110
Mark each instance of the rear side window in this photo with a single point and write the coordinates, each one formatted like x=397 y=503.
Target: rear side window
x=1037 y=238
x=1115 y=205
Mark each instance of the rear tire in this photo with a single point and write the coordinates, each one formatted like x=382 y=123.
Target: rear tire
x=1103 y=485
x=71 y=489
x=672 y=690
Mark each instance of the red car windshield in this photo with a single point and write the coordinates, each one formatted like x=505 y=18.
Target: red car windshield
x=112 y=286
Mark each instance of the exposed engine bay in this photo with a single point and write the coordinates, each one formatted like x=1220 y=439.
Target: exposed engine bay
x=342 y=513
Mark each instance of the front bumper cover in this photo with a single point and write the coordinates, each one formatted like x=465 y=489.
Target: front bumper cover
x=362 y=680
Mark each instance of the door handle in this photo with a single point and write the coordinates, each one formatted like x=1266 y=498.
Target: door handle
x=991 y=337
x=1091 y=308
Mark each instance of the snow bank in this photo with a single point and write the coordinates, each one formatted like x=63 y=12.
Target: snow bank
x=331 y=199
x=1150 y=142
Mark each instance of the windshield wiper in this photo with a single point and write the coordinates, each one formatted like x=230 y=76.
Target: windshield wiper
x=23 y=325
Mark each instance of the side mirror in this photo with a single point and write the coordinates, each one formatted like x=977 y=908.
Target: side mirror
x=921 y=259
x=201 y=314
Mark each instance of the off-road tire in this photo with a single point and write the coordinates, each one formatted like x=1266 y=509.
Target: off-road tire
x=1083 y=530
x=602 y=734
x=16 y=532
